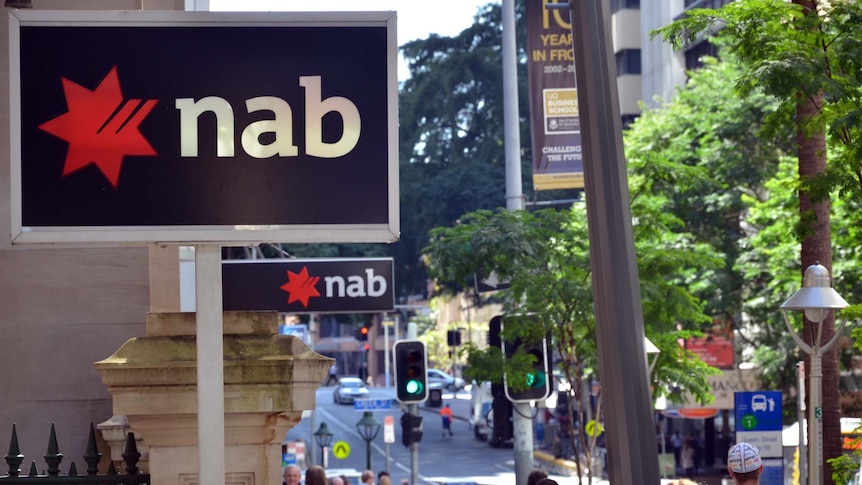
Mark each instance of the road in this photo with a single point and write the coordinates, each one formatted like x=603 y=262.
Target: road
x=459 y=458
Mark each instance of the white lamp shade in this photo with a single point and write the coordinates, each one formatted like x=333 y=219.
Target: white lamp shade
x=816 y=295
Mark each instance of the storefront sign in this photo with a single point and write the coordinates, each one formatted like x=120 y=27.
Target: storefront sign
x=139 y=127
x=309 y=285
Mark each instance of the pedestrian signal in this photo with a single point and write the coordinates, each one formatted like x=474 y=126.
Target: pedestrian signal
x=411 y=371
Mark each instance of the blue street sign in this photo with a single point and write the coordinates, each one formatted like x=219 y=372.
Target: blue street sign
x=758 y=411
x=374 y=404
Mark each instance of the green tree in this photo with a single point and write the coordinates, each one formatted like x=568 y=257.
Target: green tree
x=715 y=136
x=544 y=256
x=711 y=130
x=805 y=54
x=450 y=136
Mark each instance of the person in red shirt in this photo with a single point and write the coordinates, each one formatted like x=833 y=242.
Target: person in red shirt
x=446 y=415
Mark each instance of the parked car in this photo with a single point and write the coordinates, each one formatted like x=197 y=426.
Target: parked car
x=437 y=376
x=348 y=389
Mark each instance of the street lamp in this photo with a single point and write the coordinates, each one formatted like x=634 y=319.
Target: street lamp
x=323 y=438
x=815 y=299
x=368 y=427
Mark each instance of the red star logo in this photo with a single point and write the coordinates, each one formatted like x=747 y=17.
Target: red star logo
x=100 y=127
x=300 y=287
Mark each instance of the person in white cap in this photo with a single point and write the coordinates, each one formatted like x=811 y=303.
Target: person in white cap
x=744 y=464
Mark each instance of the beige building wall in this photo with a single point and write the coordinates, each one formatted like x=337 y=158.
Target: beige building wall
x=459 y=311
x=61 y=310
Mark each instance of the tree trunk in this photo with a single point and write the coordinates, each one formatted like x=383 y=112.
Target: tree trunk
x=817 y=247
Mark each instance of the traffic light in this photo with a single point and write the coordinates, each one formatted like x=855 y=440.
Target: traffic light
x=411 y=371
x=453 y=338
x=411 y=429
x=536 y=385
x=362 y=333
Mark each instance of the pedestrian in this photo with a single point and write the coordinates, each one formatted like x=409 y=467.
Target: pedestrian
x=547 y=481
x=676 y=446
x=536 y=475
x=333 y=375
x=381 y=474
x=292 y=475
x=683 y=481
x=336 y=481
x=687 y=456
x=345 y=480
x=744 y=464
x=557 y=447
x=385 y=480
x=367 y=478
x=315 y=475
x=363 y=372
x=446 y=415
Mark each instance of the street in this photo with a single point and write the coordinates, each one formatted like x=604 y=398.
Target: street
x=459 y=458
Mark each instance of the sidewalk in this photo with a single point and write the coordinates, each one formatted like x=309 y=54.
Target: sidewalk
x=460 y=405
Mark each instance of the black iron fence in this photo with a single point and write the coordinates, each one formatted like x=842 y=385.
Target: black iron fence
x=53 y=457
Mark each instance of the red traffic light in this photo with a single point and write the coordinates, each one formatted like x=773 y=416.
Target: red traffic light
x=363 y=330
x=367 y=347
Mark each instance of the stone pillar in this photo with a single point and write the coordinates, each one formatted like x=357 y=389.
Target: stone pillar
x=269 y=380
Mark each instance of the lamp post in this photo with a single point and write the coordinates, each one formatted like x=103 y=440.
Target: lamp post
x=815 y=299
x=368 y=427
x=323 y=438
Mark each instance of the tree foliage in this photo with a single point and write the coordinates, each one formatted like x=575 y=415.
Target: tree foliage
x=451 y=135
x=797 y=52
x=545 y=257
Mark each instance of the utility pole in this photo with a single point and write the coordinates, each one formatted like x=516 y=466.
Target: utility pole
x=414 y=410
x=522 y=424
x=632 y=452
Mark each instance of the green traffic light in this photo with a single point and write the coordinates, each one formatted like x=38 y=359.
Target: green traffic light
x=413 y=387
x=536 y=380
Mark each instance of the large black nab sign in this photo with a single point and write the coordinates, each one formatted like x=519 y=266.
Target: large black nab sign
x=309 y=285
x=137 y=127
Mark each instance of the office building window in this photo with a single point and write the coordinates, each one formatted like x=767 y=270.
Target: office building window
x=621 y=4
x=628 y=120
x=714 y=4
x=628 y=61
x=694 y=54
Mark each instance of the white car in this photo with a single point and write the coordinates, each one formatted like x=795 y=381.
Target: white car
x=348 y=389
x=436 y=376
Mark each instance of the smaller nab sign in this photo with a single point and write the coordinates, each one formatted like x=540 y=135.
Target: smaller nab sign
x=308 y=285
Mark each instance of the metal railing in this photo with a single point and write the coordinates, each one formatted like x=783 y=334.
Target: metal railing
x=53 y=457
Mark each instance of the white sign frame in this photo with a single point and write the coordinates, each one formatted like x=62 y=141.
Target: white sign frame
x=112 y=236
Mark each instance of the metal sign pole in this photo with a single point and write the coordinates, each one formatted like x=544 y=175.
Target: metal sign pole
x=210 y=364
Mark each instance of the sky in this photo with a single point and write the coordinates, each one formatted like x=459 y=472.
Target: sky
x=416 y=18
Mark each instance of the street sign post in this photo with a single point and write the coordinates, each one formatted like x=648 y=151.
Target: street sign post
x=758 y=422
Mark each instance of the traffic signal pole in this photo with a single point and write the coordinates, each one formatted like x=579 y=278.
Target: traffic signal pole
x=414 y=450
x=411 y=388
x=522 y=425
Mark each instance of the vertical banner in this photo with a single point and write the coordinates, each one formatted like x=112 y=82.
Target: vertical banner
x=554 y=120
